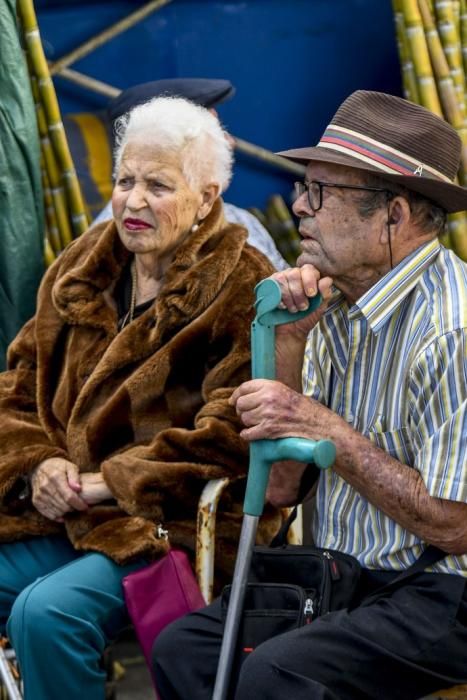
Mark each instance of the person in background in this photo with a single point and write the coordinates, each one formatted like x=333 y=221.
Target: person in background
x=380 y=368
x=114 y=410
x=208 y=93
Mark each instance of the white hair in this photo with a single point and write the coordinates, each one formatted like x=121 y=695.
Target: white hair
x=182 y=127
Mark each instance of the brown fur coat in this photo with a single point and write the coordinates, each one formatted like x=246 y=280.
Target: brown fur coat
x=147 y=406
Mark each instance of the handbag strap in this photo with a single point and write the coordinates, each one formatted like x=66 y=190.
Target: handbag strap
x=281 y=538
x=430 y=556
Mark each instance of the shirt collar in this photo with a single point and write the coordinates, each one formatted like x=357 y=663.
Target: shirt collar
x=379 y=302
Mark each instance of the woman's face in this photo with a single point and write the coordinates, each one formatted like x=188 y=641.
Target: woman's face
x=154 y=208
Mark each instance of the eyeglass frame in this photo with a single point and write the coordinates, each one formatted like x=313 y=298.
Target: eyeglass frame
x=302 y=187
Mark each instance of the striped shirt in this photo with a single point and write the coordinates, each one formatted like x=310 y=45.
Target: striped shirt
x=394 y=365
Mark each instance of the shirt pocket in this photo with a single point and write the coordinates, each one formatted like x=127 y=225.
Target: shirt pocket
x=396 y=442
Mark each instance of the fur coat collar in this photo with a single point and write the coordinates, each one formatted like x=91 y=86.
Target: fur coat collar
x=148 y=406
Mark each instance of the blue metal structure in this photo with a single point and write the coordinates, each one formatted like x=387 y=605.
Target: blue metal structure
x=291 y=62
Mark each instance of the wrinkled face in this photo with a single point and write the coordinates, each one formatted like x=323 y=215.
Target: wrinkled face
x=337 y=240
x=154 y=207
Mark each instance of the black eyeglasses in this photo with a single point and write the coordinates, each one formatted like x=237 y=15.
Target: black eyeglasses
x=314 y=190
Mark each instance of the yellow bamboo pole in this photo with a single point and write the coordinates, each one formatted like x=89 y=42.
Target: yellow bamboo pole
x=409 y=81
x=448 y=29
x=456 y=8
x=53 y=234
x=463 y=32
x=445 y=11
x=49 y=255
x=445 y=238
x=49 y=101
x=56 y=240
x=447 y=91
x=429 y=57
x=448 y=21
x=428 y=94
x=52 y=177
x=57 y=192
x=109 y=33
x=458 y=234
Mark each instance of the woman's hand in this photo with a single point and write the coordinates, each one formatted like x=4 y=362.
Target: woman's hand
x=55 y=484
x=93 y=488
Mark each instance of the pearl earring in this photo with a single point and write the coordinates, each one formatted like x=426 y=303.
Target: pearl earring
x=194 y=228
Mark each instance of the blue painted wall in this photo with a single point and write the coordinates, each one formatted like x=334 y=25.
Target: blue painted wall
x=292 y=62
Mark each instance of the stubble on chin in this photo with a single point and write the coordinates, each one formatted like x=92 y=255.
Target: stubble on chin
x=303 y=259
x=306 y=256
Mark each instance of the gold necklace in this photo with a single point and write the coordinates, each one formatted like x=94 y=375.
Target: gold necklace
x=128 y=318
x=133 y=289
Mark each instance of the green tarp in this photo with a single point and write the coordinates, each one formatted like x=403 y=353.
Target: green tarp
x=21 y=199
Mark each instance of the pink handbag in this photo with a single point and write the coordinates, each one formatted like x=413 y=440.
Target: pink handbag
x=158 y=594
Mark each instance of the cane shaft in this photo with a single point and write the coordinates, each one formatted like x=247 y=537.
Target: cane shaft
x=234 y=611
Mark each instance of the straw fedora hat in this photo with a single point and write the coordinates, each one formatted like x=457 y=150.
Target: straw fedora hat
x=396 y=139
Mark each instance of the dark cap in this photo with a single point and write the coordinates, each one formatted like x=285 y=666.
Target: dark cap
x=202 y=91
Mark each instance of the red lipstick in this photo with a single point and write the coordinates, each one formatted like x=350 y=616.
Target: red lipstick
x=135 y=224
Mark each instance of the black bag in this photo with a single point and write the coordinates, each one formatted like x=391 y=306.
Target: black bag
x=289 y=586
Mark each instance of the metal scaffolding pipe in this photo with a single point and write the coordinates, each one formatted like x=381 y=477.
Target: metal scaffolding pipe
x=109 y=33
x=92 y=84
x=268 y=157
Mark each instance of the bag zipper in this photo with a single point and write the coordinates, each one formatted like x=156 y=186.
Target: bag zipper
x=333 y=566
x=308 y=611
x=331 y=573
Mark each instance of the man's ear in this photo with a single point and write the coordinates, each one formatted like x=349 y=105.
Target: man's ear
x=209 y=195
x=397 y=217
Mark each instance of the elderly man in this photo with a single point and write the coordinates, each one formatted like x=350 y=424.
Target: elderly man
x=383 y=364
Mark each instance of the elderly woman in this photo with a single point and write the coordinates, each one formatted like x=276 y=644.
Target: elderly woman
x=114 y=411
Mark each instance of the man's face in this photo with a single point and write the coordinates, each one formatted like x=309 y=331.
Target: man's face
x=337 y=240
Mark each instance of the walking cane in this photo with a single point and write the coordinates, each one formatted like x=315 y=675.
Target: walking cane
x=262 y=455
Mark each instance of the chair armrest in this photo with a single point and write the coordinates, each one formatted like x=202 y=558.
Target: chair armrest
x=206 y=534
x=295 y=534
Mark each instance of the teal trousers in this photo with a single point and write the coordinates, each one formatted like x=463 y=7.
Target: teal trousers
x=61 y=609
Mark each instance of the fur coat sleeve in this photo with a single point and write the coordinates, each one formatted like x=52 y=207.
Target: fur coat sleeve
x=24 y=438
x=148 y=406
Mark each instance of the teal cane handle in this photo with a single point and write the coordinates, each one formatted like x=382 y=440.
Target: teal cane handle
x=268 y=297
x=263 y=453
x=268 y=316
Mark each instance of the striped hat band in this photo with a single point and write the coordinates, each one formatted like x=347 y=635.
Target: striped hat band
x=375 y=153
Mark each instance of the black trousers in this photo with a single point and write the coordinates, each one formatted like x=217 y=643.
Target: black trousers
x=403 y=646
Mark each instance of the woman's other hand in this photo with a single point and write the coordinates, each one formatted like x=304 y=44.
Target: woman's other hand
x=56 y=488
x=93 y=488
